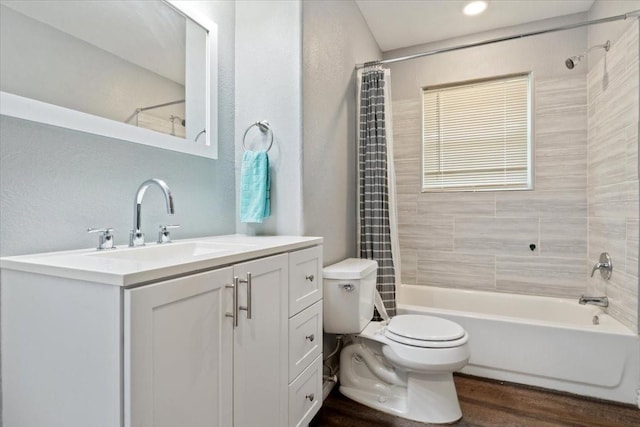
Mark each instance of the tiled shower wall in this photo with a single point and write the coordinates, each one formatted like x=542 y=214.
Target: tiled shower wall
x=585 y=199
x=482 y=240
x=613 y=173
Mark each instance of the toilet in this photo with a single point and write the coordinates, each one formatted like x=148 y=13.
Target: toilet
x=403 y=366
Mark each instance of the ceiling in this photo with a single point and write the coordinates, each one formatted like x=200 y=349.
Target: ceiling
x=402 y=23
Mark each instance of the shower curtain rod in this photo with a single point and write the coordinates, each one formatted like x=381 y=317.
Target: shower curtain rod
x=141 y=109
x=166 y=104
x=634 y=13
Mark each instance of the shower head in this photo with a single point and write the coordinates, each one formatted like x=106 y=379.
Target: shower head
x=572 y=61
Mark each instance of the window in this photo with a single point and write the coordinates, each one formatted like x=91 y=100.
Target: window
x=476 y=136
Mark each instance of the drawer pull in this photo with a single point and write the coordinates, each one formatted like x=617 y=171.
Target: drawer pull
x=310 y=396
x=310 y=277
x=310 y=337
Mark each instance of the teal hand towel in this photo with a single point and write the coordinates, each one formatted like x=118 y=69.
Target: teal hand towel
x=255 y=202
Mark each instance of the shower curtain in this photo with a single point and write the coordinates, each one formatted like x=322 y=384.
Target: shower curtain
x=377 y=215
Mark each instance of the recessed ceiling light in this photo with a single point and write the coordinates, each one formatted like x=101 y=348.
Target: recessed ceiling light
x=475 y=8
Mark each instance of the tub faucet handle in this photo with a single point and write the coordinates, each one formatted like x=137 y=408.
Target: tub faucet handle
x=605 y=265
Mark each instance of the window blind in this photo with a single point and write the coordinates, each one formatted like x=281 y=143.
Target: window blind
x=476 y=136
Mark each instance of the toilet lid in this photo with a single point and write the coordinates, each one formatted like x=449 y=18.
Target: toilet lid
x=421 y=330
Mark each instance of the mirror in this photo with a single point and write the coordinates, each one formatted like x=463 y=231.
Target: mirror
x=136 y=70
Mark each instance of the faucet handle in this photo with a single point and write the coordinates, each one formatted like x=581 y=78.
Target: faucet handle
x=605 y=265
x=105 y=239
x=164 y=235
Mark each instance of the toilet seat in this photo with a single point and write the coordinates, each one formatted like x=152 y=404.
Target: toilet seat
x=425 y=331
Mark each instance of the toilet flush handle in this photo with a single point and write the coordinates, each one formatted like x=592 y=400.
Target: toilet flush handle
x=349 y=287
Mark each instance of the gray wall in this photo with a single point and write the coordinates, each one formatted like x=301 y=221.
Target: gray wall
x=481 y=240
x=269 y=86
x=614 y=100
x=586 y=162
x=55 y=182
x=308 y=96
x=335 y=38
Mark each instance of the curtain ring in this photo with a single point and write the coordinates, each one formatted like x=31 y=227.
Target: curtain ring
x=264 y=128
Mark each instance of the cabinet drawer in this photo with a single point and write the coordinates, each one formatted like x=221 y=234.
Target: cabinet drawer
x=305 y=278
x=305 y=339
x=305 y=394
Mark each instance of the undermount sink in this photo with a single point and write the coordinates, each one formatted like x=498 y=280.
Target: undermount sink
x=169 y=251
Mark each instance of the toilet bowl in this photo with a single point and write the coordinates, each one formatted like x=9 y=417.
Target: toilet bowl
x=411 y=381
x=403 y=366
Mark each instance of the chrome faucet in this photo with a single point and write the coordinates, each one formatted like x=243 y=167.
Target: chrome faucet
x=599 y=301
x=136 y=237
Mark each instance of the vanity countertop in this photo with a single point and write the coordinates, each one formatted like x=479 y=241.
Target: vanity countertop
x=126 y=266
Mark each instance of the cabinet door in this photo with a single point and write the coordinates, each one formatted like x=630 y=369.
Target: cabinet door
x=178 y=352
x=260 y=345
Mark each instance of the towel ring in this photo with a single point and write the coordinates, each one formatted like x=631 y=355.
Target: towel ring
x=264 y=128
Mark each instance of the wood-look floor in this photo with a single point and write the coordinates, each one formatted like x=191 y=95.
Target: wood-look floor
x=491 y=403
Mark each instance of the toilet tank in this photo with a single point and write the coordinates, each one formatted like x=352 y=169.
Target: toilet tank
x=348 y=295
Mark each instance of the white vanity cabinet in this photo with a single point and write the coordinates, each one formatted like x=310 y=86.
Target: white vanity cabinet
x=178 y=352
x=79 y=353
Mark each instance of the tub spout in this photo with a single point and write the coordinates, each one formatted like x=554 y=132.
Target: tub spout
x=599 y=301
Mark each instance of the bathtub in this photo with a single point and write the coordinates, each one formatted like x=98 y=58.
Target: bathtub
x=540 y=341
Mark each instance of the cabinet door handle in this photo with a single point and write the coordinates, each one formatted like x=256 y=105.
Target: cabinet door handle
x=310 y=396
x=310 y=337
x=234 y=313
x=249 y=298
x=310 y=277
x=247 y=308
